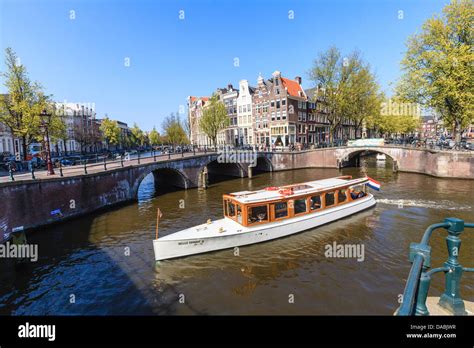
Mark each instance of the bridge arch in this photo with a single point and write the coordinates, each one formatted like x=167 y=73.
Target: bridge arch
x=264 y=164
x=163 y=176
x=351 y=155
x=235 y=169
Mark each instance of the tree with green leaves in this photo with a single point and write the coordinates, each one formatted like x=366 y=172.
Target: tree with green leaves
x=154 y=137
x=174 y=131
x=438 y=68
x=214 y=118
x=110 y=131
x=21 y=108
x=57 y=128
x=346 y=86
x=137 y=136
x=364 y=97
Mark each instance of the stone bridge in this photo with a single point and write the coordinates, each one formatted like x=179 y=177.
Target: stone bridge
x=27 y=203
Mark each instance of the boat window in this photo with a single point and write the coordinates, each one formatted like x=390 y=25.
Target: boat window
x=300 y=206
x=329 y=199
x=281 y=210
x=356 y=192
x=239 y=214
x=315 y=202
x=258 y=214
x=231 y=209
x=341 y=196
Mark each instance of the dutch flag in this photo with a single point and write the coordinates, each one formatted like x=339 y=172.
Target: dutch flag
x=373 y=184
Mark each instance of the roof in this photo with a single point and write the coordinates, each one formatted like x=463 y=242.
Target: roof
x=197 y=98
x=298 y=189
x=293 y=87
x=311 y=93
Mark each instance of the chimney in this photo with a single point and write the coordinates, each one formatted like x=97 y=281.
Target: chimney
x=298 y=79
x=230 y=87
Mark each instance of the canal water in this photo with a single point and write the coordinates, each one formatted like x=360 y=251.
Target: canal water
x=103 y=264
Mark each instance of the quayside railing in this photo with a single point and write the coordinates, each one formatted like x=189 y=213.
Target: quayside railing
x=419 y=279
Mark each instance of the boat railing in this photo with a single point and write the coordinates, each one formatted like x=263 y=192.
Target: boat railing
x=419 y=279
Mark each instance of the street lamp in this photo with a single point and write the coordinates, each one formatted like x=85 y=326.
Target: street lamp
x=45 y=125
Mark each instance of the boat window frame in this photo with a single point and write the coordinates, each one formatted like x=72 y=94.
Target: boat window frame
x=345 y=195
x=273 y=209
x=310 y=201
x=302 y=198
x=334 y=197
x=248 y=214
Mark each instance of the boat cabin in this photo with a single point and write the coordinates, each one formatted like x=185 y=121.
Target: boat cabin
x=271 y=204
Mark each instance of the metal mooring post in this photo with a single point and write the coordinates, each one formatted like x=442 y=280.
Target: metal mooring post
x=85 y=166
x=105 y=163
x=33 y=172
x=451 y=299
x=138 y=157
x=10 y=171
x=60 y=169
x=154 y=156
x=121 y=161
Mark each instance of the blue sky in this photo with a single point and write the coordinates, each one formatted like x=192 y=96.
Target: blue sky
x=83 y=59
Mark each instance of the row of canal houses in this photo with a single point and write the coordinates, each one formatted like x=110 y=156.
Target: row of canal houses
x=276 y=112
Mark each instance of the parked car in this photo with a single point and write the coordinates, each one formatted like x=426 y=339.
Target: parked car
x=65 y=162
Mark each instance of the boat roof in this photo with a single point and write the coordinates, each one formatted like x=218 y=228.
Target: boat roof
x=297 y=189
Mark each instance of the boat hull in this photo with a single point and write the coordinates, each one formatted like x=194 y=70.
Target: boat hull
x=168 y=249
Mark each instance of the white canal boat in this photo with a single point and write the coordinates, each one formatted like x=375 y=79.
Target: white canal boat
x=381 y=157
x=257 y=216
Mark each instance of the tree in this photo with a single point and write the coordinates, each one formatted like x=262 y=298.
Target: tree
x=110 y=131
x=82 y=135
x=364 y=97
x=21 y=108
x=438 y=69
x=137 y=136
x=173 y=130
x=214 y=119
x=154 y=137
x=346 y=86
x=57 y=128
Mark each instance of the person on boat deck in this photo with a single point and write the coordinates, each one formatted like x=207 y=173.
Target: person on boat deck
x=315 y=204
x=357 y=194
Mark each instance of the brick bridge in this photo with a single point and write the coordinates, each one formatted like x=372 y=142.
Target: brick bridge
x=27 y=203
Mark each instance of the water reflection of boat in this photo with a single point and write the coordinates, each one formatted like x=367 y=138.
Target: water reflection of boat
x=381 y=157
x=256 y=216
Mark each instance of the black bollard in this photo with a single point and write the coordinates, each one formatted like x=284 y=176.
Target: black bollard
x=10 y=171
x=33 y=172
x=85 y=166
x=105 y=163
x=61 y=169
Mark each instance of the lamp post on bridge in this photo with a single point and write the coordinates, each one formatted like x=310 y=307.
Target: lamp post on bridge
x=45 y=125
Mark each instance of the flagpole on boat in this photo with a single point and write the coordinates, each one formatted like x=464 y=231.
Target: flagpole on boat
x=158 y=213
